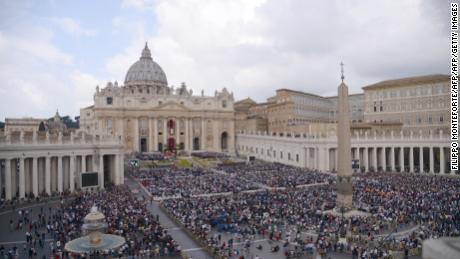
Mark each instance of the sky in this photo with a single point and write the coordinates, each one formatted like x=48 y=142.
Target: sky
x=54 y=53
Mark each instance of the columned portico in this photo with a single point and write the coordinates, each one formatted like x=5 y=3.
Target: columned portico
x=40 y=167
x=319 y=152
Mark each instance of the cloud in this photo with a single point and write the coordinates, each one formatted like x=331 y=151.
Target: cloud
x=139 y=5
x=37 y=77
x=72 y=27
x=250 y=47
x=84 y=86
x=256 y=47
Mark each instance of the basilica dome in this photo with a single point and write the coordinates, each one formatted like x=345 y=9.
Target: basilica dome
x=146 y=71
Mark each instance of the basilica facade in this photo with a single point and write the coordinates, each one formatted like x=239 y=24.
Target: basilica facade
x=149 y=116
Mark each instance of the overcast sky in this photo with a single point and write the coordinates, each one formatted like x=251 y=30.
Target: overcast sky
x=54 y=53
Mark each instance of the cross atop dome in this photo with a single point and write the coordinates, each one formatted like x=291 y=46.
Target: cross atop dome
x=146 y=52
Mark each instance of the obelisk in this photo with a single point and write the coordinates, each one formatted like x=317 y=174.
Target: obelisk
x=344 y=177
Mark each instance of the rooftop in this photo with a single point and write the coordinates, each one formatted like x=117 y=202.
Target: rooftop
x=415 y=80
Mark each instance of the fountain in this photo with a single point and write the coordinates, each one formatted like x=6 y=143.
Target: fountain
x=94 y=239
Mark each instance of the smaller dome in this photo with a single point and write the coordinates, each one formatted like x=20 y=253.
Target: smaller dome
x=146 y=71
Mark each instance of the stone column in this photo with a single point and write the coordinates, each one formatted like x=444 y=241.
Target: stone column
x=384 y=159
x=366 y=158
x=165 y=133
x=83 y=163
x=35 y=176
x=432 y=160
x=136 y=134
x=48 y=175
x=8 y=183
x=421 y=159
x=203 y=134
x=117 y=169
x=101 y=171
x=326 y=159
x=60 y=177
x=72 y=173
x=442 y=163
x=392 y=161
x=307 y=157
x=374 y=159
x=356 y=153
x=401 y=159
x=122 y=169
x=155 y=134
x=22 y=180
x=215 y=132
x=186 y=135
x=177 y=128
x=336 y=158
x=151 y=144
x=411 y=159
x=121 y=130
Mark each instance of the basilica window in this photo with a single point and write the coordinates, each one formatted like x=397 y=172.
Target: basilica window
x=224 y=104
x=109 y=100
x=109 y=124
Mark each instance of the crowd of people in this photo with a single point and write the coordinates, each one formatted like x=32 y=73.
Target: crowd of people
x=419 y=206
x=125 y=216
x=167 y=182
x=275 y=174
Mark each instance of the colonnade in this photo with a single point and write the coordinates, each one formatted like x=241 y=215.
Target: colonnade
x=32 y=175
x=426 y=154
x=426 y=159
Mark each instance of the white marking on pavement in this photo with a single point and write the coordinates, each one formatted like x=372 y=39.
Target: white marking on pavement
x=192 y=249
x=21 y=242
x=252 y=242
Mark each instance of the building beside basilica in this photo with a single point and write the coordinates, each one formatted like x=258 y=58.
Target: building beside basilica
x=150 y=116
